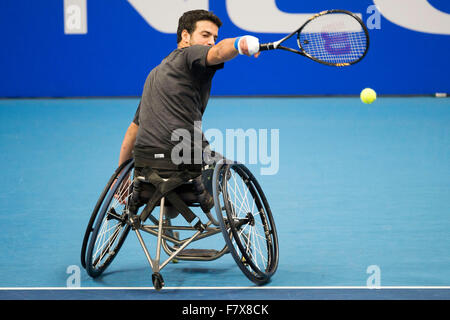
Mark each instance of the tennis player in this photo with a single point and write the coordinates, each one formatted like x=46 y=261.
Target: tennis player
x=176 y=93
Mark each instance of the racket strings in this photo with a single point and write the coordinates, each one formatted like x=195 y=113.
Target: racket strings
x=339 y=39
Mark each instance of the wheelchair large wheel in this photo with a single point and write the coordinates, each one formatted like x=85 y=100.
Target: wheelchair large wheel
x=246 y=221
x=107 y=228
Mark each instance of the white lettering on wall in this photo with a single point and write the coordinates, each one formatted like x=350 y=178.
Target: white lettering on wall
x=263 y=16
x=164 y=15
x=417 y=15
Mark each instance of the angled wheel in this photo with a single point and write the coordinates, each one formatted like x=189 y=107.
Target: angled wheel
x=246 y=221
x=97 y=207
x=107 y=228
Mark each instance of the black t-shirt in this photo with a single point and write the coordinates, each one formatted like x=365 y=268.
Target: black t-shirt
x=175 y=96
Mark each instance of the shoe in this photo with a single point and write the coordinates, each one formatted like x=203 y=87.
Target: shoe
x=206 y=201
x=204 y=197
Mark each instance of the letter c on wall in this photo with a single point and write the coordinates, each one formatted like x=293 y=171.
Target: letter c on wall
x=417 y=15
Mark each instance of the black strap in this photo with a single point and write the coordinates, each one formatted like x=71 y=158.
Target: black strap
x=179 y=204
x=165 y=188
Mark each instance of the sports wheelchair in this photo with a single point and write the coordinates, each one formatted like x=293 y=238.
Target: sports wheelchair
x=243 y=217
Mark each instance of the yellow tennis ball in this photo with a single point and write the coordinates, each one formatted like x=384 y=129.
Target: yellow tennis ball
x=368 y=96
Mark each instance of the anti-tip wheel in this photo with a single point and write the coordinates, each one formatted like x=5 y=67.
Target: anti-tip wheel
x=158 y=281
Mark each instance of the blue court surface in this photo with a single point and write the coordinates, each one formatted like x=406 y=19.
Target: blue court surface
x=359 y=191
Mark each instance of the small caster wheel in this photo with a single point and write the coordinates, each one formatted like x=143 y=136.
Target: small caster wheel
x=158 y=281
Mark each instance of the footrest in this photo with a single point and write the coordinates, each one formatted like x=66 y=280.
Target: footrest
x=198 y=253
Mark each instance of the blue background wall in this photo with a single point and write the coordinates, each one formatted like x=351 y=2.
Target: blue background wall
x=113 y=59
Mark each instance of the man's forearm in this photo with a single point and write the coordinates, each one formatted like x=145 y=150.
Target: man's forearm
x=128 y=143
x=222 y=52
x=226 y=49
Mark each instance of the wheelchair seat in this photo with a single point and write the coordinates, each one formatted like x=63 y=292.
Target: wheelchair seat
x=178 y=189
x=186 y=192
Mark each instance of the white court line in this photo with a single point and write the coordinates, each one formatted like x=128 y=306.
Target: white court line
x=235 y=288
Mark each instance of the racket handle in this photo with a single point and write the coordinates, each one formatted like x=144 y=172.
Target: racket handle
x=266 y=46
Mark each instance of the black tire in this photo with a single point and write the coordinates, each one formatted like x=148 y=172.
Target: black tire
x=246 y=221
x=94 y=213
x=110 y=209
x=158 y=281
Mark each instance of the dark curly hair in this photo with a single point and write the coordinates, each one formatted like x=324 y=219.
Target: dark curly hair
x=189 y=19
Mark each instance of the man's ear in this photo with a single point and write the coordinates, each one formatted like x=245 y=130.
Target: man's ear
x=185 y=37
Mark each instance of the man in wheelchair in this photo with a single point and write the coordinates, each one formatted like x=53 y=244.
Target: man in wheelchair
x=175 y=96
x=172 y=169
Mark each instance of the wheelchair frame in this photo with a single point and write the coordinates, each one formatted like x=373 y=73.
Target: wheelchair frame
x=230 y=226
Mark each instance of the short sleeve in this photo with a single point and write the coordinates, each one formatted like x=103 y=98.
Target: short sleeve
x=196 y=58
x=136 y=115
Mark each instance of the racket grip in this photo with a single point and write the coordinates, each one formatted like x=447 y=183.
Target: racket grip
x=266 y=46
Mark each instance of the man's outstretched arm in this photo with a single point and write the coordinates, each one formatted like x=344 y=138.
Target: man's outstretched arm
x=229 y=48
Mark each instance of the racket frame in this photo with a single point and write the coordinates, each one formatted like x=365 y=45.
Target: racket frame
x=277 y=44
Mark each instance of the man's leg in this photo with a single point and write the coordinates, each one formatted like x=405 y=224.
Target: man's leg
x=135 y=198
x=204 y=196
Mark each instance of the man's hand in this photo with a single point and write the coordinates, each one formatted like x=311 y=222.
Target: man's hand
x=248 y=45
x=123 y=192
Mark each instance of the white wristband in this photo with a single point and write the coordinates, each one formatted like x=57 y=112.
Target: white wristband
x=252 y=44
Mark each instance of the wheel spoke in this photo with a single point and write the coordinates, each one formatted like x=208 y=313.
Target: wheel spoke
x=109 y=244
x=112 y=229
x=253 y=239
x=250 y=236
x=239 y=190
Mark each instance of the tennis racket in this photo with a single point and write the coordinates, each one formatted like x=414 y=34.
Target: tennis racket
x=334 y=37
